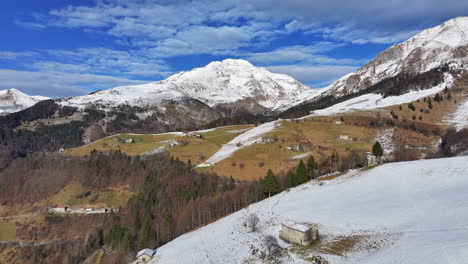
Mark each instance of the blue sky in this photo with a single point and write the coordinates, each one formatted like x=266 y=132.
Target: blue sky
x=67 y=48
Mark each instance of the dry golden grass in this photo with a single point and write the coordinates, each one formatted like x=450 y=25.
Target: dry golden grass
x=70 y=195
x=7 y=231
x=253 y=161
x=11 y=255
x=142 y=144
x=197 y=150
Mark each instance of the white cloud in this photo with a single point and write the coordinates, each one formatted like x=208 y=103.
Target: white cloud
x=58 y=84
x=366 y=21
x=203 y=39
x=300 y=53
x=30 y=25
x=308 y=73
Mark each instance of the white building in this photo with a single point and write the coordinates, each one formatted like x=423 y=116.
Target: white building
x=371 y=159
x=298 y=233
x=343 y=137
x=145 y=255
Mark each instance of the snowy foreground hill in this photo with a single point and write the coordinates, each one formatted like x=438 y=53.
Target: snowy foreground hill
x=409 y=212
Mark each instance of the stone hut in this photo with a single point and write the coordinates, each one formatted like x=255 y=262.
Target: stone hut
x=371 y=159
x=145 y=255
x=298 y=233
x=269 y=139
x=302 y=146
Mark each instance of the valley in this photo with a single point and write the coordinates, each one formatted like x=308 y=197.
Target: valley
x=209 y=165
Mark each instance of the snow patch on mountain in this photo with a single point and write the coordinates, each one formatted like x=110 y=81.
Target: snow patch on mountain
x=460 y=117
x=374 y=101
x=219 y=82
x=13 y=100
x=416 y=212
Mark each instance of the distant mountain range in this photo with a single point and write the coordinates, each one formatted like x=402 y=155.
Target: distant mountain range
x=13 y=100
x=233 y=87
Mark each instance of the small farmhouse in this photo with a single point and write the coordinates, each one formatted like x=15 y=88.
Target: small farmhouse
x=343 y=137
x=338 y=122
x=193 y=134
x=269 y=139
x=59 y=209
x=298 y=233
x=302 y=146
x=371 y=159
x=145 y=255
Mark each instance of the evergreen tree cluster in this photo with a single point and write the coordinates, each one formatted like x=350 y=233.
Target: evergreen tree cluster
x=377 y=149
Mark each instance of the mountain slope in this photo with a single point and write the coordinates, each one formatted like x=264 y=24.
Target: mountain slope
x=221 y=82
x=432 y=58
x=384 y=209
x=13 y=100
x=446 y=43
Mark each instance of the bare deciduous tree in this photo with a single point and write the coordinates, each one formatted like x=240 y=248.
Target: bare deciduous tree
x=252 y=222
x=271 y=244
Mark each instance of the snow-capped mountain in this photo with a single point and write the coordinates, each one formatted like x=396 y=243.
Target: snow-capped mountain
x=431 y=48
x=220 y=82
x=13 y=100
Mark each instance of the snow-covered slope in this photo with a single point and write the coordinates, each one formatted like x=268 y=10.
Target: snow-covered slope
x=373 y=101
x=243 y=140
x=409 y=212
x=429 y=49
x=219 y=82
x=13 y=100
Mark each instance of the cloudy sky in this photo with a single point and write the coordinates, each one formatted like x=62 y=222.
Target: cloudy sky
x=62 y=48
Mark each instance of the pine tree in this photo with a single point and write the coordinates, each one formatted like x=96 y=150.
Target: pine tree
x=270 y=184
x=377 y=149
x=301 y=173
x=311 y=167
x=145 y=232
x=411 y=106
x=290 y=179
x=414 y=117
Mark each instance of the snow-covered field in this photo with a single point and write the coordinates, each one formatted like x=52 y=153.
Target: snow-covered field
x=374 y=101
x=414 y=212
x=243 y=140
x=460 y=117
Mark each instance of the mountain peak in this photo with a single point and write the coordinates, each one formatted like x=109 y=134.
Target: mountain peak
x=452 y=33
x=220 y=82
x=13 y=100
x=429 y=49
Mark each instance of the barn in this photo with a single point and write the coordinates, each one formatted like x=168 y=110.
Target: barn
x=298 y=233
